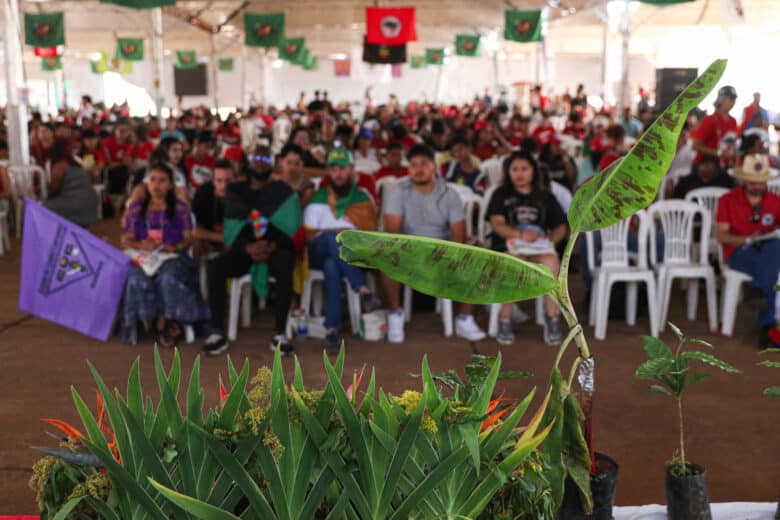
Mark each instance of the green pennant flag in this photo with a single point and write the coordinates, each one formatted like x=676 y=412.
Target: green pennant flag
x=186 y=60
x=140 y=4
x=51 y=64
x=467 y=45
x=303 y=58
x=116 y=65
x=44 y=30
x=417 y=62
x=225 y=64
x=523 y=26
x=284 y=208
x=130 y=49
x=94 y=67
x=434 y=56
x=291 y=49
x=263 y=30
x=312 y=63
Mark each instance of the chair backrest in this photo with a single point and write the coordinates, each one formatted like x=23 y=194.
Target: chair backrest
x=386 y=182
x=614 y=244
x=774 y=186
x=483 y=226
x=676 y=219
x=22 y=179
x=471 y=202
x=707 y=198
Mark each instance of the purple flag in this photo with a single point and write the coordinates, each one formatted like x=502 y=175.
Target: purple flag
x=69 y=276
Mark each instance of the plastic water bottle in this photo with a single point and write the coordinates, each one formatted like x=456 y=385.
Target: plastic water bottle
x=301 y=324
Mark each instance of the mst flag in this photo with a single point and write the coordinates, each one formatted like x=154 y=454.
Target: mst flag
x=276 y=209
x=263 y=30
x=523 y=26
x=291 y=50
x=186 y=60
x=225 y=64
x=69 y=276
x=140 y=4
x=434 y=56
x=130 y=49
x=467 y=45
x=417 y=62
x=384 y=53
x=390 y=25
x=51 y=64
x=44 y=30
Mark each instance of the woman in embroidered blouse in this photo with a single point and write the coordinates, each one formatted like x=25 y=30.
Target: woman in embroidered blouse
x=171 y=297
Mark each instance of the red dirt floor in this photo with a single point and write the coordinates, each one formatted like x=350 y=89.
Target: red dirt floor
x=731 y=429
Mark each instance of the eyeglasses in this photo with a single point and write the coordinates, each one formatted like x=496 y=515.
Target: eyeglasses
x=756 y=216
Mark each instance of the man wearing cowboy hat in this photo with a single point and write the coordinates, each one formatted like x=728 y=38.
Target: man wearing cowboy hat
x=744 y=215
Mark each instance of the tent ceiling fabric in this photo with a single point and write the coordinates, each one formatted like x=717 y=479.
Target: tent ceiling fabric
x=332 y=26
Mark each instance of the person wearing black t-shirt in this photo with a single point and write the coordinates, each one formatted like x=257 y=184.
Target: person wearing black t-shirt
x=208 y=206
x=523 y=209
x=707 y=175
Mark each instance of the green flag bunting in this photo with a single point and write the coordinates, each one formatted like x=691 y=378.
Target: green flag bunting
x=291 y=49
x=225 y=64
x=303 y=58
x=130 y=49
x=312 y=63
x=44 y=30
x=467 y=45
x=523 y=26
x=434 y=56
x=417 y=62
x=186 y=60
x=263 y=30
x=140 y=4
x=51 y=64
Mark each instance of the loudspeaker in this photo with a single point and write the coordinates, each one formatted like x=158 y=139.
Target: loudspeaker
x=669 y=83
x=190 y=82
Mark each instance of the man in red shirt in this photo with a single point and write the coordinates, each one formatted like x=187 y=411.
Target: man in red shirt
x=119 y=154
x=200 y=165
x=394 y=167
x=714 y=133
x=745 y=214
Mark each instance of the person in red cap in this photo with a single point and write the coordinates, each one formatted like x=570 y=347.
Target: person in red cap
x=235 y=155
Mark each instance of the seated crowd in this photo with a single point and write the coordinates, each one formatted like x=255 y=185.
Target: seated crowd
x=267 y=198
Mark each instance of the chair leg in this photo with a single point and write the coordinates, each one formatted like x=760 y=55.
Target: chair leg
x=245 y=293
x=446 y=316
x=540 y=311
x=593 y=301
x=353 y=305
x=407 y=303
x=632 y=294
x=233 y=311
x=189 y=334
x=603 y=309
x=728 y=313
x=693 y=298
x=712 y=301
x=306 y=297
x=652 y=305
x=316 y=301
x=664 y=293
x=495 y=308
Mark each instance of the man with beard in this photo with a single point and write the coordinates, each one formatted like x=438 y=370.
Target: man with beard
x=339 y=206
x=208 y=206
x=744 y=214
x=423 y=205
x=261 y=229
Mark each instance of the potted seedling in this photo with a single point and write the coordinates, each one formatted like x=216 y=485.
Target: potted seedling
x=474 y=275
x=686 y=482
x=772 y=391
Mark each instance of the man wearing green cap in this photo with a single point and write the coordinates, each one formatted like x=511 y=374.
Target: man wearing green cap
x=340 y=205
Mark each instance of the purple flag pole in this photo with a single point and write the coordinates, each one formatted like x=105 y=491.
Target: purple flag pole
x=69 y=276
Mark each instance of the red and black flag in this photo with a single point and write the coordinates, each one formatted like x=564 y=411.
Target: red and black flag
x=373 y=53
x=390 y=25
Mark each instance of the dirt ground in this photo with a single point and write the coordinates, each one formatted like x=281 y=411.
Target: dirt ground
x=731 y=429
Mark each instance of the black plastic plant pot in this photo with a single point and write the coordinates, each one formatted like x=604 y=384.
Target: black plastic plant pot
x=602 y=486
x=686 y=497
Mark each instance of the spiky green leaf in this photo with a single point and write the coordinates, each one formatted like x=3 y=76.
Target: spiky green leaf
x=652 y=368
x=710 y=360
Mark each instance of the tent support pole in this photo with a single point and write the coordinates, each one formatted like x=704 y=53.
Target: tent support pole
x=16 y=117
x=159 y=59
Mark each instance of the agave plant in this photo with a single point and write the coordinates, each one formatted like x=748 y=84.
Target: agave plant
x=474 y=275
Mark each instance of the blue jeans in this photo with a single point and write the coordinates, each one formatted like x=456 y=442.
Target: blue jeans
x=324 y=255
x=762 y=262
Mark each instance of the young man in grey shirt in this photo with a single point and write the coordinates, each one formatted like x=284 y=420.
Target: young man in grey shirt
x=424 y=205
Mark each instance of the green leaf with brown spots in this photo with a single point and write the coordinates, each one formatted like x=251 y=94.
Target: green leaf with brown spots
x=446 y=269
x=631 y=184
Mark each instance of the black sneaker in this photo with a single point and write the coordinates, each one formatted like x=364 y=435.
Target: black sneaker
x=284 y=345
x=332 y=342
x=215 y=345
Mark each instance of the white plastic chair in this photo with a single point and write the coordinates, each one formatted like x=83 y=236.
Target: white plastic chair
x=385 y=183
x=730 y=294
x=471 y=202
x=241 y=305
x=774 y=186
x=708 y=198
x=483 y=227
x=443 y=306
x=5 y=239
x=22 y=178
x=615 y=266
x=676 y=219
x=312 y=303
x=495 y=309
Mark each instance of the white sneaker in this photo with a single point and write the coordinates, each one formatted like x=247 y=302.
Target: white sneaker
x=467 y=328
x=395 y=326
